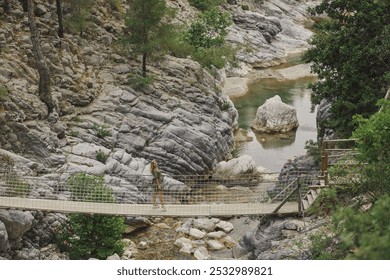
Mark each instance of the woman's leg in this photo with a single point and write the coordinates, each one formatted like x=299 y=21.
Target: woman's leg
x=160 y=194
x=154 y=199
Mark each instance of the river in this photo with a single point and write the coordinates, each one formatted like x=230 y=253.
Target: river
x=272 y=151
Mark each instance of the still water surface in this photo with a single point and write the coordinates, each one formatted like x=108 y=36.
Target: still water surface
x=272 y=151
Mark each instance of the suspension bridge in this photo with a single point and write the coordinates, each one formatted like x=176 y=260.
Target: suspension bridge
x=184 y=196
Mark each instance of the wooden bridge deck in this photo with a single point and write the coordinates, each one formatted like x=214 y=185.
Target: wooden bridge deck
x=175 y=210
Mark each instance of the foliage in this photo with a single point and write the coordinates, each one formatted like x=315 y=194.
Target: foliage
x=207 y=35
x=79 y=16
x=145 y=27
x=3 y=91
x=204 y=5
x=325 y=247
x=101 y=156
x=313 y=150
x=365 y=235
x=101 y=130
x=210 y=30
x=216 y=57
x=82 y=186
x=16 y=186
x=373 y=142
x=173 y=42
x=139 y=82
x=74 y=133
x=115 y=4
x=326 y=202
x=351 y=55
x=85 y=236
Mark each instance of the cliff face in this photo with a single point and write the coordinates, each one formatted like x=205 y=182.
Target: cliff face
x=180 y=120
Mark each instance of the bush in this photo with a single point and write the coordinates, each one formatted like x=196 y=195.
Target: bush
x=204 y=5
x=101 y=130
x=17 y=187
x=91 y=236
x=101 y=156
x=82 y=185
x=218 y=57
x=86 y=236
x=3 y=91
x=365 y=235
x=138 y=82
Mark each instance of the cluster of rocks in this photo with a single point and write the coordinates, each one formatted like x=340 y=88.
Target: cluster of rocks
x=267 y=31
x=28 y=235
x=204 y=235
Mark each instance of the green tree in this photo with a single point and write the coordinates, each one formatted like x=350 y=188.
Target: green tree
x=145 y=26
x=365 y=235
x=373 y=142
x=351 y=55
x=210 y=30
x=85 y=236
x=207 y=37
x=79 y=16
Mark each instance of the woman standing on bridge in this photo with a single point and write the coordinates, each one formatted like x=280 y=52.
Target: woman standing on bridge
x=157 y=185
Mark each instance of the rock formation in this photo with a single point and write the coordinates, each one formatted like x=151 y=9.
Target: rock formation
x=275 y=116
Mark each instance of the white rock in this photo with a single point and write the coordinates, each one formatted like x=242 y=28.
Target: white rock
x=204 y=224
x=216 y=234
x=201 y=254
x=215 y=245
x=186 y=249
x=183 y=241
x=225 y=226
x=196 y=233
x=242 y=164
x=275 y=116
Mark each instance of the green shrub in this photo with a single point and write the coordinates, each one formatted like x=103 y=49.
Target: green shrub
x=325 y=247
x=17 y=187
x=115 y=5
x=101 y=130
x=314 y=151
x=226 y=105
x=138 y=82
x=74 y=133
x=79 y=17
x=218 y=57
x=82 y=185
x=91 y=236
x=365 y=235
x=101 y=156
x=204 y=5
x=3 y=91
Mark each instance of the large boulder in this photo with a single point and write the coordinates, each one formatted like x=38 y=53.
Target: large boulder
x=275 y=116
x=4 y=245
x=16 y=222
x=242 y=165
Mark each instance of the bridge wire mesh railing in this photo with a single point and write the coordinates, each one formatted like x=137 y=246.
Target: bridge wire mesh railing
x=138 y=189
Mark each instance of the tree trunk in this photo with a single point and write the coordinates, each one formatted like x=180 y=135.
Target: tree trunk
x=60 y=21
x=144 y=56
x=43 y=69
